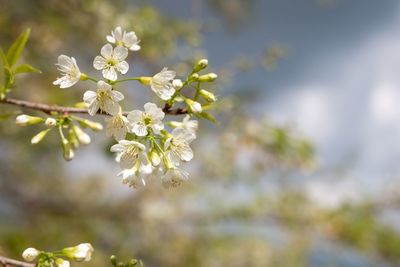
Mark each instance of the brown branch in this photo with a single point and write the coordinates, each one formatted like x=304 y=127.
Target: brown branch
x=62 y=109
x=7 y=262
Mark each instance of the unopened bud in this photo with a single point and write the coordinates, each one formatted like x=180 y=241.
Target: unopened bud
x=62 y=263
x=201 y=64
x=95 y=126
x=30 y=254
x=210 y=77
x=155 y=158
x=177 y=84
x=194 y=77
x=50 y=122
x=39 y=137
x=145 y=80
x=24 y=120
x=194 y=106
x=81 y=252
x=83 y=137
x=210 y=97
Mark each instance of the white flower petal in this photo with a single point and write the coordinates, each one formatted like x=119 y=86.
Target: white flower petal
x=110 y=74
x=106 y=51
x=99 y=63
x=122 y=67
x=120 y=53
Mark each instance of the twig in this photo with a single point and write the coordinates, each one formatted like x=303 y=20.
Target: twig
x=7 y=262
x=62 y=109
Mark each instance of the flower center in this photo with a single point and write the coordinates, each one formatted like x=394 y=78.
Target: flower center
x=147 y=120
x=112 y=62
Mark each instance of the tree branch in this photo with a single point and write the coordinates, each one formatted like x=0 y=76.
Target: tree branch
x=62 y=109
x=7 y=262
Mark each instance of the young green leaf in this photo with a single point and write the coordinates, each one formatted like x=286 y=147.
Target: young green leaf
x=25 y=68
x=3 y=58
x=14 y=52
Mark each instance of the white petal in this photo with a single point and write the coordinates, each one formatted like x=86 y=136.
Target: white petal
x=111 y=39
x=139 y=129
x=117 y=33
x=111 y=107
x=104 y=86
x=123 y=67
x=99 y=63
x=110 y=74
x=120 y=53
x=185 y=153
x=93 y=108
x=117 y=148
x=89 y=96
x=135 y=115
x=134 y=47
x=106 y=51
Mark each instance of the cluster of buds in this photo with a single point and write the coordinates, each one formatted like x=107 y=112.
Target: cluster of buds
x=62 y=258
x=69 y=130
x=146 y=142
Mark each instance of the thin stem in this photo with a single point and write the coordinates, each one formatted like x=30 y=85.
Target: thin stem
x=92 y=79
x=127 y=79
x=48 y=109
x=7 y=262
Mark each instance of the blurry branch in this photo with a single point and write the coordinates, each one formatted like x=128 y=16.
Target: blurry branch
x=6 y=262
x=63 y=109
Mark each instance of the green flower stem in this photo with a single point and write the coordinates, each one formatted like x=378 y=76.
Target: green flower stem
x=126 y=79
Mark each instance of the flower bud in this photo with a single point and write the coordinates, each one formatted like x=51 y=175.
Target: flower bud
x=73 y=139
x=145 y=80
x=24 y=120
x=83 y=137
x=194 y=76
x=177 y=84
x=50 y=122
x=62 y=263
x=39 y=137
x=201 y=64
x=95 y=126
x=30 y=254
x=194 y=106
x=210 y=77
x=210 y=97
x=81 y=252
x=155 y=158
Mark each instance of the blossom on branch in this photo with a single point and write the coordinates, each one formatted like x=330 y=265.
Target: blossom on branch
x=105 y=98
x=69 y=70
x=126 y=39
x=111 y=61
x=161 y=83
x=150 y=118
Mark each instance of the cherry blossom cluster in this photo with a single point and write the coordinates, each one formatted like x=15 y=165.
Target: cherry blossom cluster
x=147 y=143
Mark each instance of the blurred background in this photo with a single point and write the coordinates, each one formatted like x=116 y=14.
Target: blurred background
x=302 y=169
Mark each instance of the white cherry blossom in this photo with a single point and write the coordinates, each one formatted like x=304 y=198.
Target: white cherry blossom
x=69 y=70
x=187 y=124
x=111 y=61
x=30 y=254
x=131 y=155
x=117 y=126
x=123 y=38
x=105 y=98
x=132 y=178
x=151 y=117
x=177 y=146
x=174 y=177
x=161 y=83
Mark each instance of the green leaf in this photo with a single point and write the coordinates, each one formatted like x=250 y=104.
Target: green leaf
x=25 y=68
x=8 y=78
x=17 y=47
x=3 y=58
